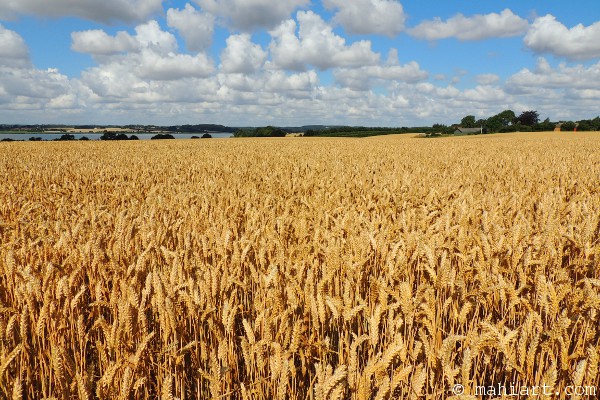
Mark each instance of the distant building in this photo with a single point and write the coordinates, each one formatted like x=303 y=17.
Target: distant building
x=467 y=131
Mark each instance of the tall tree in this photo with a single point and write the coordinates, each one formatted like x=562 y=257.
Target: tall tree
x=529 y=118
x=568 y=126
x=545 y=125
x=506 y=117
x=468 y=121
x=500 y=121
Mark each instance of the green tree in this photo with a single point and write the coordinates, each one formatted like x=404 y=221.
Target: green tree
x=468 y=121
x=529 y=118
x=501 y=121
x=267 y=131
x=270 y=131
x=161 y=136
x=441 y=128
x=506 y=117
x=67 y=136
x=585 y=125
x=545 y=126
x=568 y=126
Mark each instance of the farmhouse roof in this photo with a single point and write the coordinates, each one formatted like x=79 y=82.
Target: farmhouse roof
x=460 y=129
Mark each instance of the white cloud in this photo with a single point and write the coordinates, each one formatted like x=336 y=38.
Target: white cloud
x=150 y=43
x=154 y=66
x=30 y=95
x=251 y=14
x=302 y=84
x=139 y=73
x=13 y=50
x=101 y=11
x=151 y=36
x=26 y=89
x=384 y=17
x=98 y=42
x=143 y=76
x=364 y=78
x=169 y=80
x=487 y=79
x=484 y=94
x=241 y=55
x=577 y=77
x=195 y=27
x=317 y=45
x=563 y=92
x=35 y=84
x=437 y=92
x=239 y=82
x=270 y=86
x=547 y=35
x=477 y=27
x=285 y=47
x=449 y=104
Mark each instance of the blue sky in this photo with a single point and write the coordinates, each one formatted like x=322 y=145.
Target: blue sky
x=294 y=62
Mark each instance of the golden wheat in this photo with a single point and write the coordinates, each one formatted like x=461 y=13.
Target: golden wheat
x=299 y=268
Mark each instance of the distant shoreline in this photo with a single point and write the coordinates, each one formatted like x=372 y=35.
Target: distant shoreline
x=56 y=136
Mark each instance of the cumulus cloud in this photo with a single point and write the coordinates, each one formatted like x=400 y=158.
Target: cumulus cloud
x=477 y=27
x=150 y=80
x=577 y=77
x=143 y=76
x=195 y=27
x=28 y=94
x=239 y=82
x=101 y=11
x=384 y=17
x=241 y=55
x=563 y=92
x=154 y=66
x=35 y=84
x=316 y=44
x=98 y=42
x=130 y=64
x=364 y=78
x=301 y=84
x=547 y=35
x=448 y=104
x=484 y=94
x=169 y=80
x=13 y=50
x=487 y=79
x=149 y=37
x=271 y=86
x=251 y=14
x=25 y=90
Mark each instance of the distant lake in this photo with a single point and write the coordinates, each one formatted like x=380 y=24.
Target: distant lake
x=96 y=136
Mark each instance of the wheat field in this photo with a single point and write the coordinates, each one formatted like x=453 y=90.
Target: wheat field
x=300 y=268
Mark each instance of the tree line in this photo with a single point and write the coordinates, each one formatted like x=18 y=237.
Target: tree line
x=505 y=121
x=267 y=131
x=527 y=121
